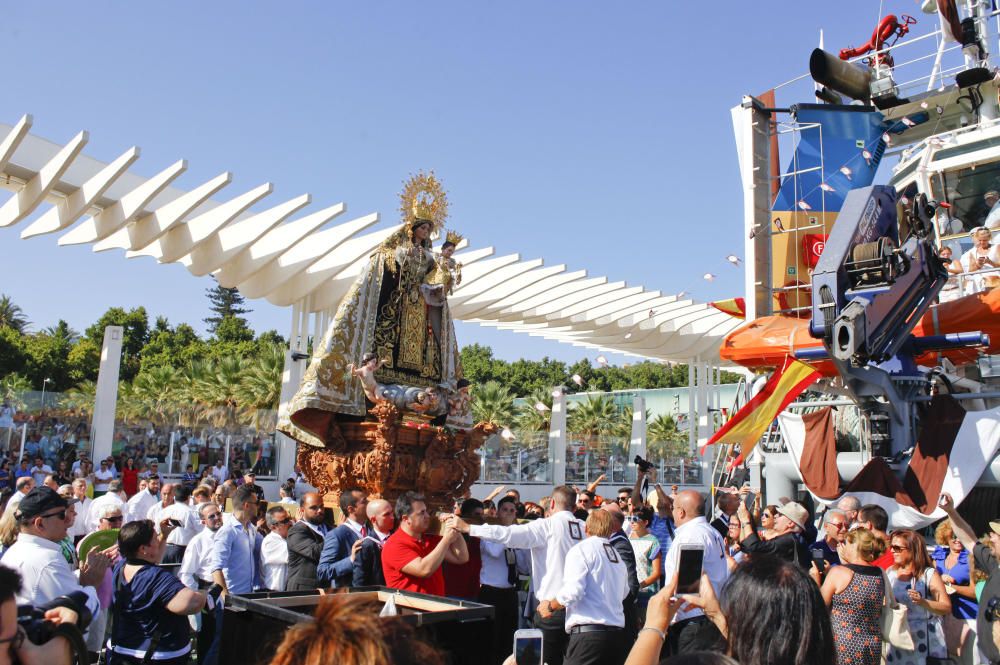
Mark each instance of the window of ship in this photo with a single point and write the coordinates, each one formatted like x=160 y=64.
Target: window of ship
x=974 y=195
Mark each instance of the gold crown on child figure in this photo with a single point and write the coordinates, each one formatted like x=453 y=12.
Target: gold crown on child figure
x=453 y=237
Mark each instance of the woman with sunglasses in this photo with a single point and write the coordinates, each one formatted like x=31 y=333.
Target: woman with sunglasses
x=983 y=256
x=766 y=529
x=917 y=585
x=951 y=560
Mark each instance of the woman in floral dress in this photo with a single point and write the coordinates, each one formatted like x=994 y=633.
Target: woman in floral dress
x=855 y=593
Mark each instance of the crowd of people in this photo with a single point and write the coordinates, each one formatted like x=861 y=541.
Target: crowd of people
x=598 y=577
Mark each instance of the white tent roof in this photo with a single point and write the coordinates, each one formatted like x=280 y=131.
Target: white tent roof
x=288 y=255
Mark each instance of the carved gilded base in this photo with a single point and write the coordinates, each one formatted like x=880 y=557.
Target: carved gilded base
x=387 y=457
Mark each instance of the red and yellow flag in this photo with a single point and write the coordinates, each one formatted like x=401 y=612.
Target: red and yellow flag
x=733 y=307
x=749 y=423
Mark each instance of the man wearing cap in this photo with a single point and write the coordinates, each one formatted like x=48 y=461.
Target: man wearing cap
x=790 y=520
x=38 y=557
x=987 y=559
x=250 y=480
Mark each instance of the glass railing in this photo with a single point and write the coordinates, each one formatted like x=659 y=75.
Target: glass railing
x=522 y=460
x=587 y=460
x=59 y=435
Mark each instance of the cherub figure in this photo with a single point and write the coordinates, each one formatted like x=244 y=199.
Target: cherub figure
x=458 y=404
x=366 y=373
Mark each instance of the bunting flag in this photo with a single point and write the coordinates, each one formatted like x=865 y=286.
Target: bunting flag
x=733 y=307
x=749 y=423
x=949 y=456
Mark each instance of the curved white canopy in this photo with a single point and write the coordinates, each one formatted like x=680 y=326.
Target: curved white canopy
x=309 y=260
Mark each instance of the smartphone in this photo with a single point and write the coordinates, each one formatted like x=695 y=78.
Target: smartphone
x=528 y=647
x=689 y=567
x=818 y=557
x=173 y=522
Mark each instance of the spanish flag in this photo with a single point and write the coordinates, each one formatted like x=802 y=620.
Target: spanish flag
x=749 y=423
x=733 y=307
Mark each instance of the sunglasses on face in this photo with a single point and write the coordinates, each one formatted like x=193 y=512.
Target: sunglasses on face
x=213 y=516
x=897 y=548
x=115 y=519
x=61 y=515
x=285 y=521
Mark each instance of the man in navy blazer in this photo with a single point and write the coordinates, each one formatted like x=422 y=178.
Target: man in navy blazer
x=336 y=562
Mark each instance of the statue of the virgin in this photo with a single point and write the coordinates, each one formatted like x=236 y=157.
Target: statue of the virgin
x=392 y=337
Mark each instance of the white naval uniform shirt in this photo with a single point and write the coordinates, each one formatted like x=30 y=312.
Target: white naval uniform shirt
x=45 y=575
x=139 y=505
x=549 y=540
x=699 y=532
x=595 y=582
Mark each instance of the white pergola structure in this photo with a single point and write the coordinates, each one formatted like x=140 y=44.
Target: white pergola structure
x=307 y=259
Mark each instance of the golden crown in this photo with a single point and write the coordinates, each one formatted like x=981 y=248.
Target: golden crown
x=453 y=237
x=424 y=199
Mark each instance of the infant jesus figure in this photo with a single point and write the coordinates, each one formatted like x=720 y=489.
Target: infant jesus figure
x=366 y=373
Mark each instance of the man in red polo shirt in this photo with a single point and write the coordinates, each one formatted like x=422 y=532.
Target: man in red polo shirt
x=412 y=561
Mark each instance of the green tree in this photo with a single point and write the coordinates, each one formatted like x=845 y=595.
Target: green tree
x=135 y=324
x=172 y=347
x=478 y=363
x=225 y=302
x=13 y=357
x=157 y=393
x=492 y=403
x=12 y=316
x=62 y=331
x=622 y=427
x=47 y=358
x=592 y=418
x=84 y=361
x=12 y=388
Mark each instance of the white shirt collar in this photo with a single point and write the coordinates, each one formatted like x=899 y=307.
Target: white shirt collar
x=353 y=526
x=38 y=541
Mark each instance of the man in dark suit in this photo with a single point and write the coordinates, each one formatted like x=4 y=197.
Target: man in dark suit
x=340 y=546
x=368 y=562
x=728 y=503
x=305 y=544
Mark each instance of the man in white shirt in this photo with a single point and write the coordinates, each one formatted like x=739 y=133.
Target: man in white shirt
x=196 y=568
x=155 y=511
x=101 y=479
x=112 y=498
x=38 y=557
x=220 y=472
x=498 y=579
x=595 y=582
x=286 y=493
x=549 y=540
x=274 y=549
x=23 y=485
x=83 y=503
x=143 y=500
x=691 y=630
x=39 y=471
x=186 y=524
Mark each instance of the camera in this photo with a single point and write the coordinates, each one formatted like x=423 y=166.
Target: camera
x=992 y=610
x=644 y=465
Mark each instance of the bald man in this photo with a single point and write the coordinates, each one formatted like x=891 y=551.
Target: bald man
x=621 y=543
x=368 y=562
x=692 y=631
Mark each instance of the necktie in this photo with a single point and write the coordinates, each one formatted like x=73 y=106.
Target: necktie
x=511 y=567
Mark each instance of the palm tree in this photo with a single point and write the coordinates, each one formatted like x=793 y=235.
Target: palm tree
x=80 y=398
x=529 y=418
x=190 y=410
x=664 y=439
x=12 y=316
x=492 y=403
x=623 y=425
x=593 y=418
x=259 y=390
x=156 y=389
x=63 y=332
x=216 y=391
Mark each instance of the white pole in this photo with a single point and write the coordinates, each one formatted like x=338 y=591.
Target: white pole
x=24 y=436
x=170 y=453
x=228 y=437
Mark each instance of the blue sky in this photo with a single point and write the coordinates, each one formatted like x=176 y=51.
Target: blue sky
x=592 y=134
